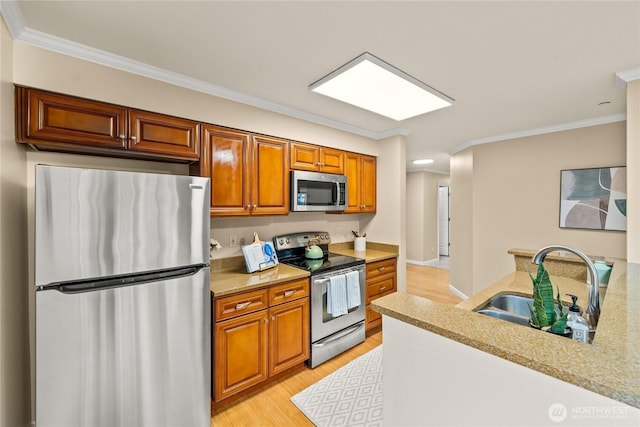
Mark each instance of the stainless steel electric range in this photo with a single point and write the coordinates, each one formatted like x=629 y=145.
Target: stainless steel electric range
x=330 y=334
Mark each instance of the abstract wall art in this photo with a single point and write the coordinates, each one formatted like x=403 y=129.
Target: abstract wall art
x=594 y=198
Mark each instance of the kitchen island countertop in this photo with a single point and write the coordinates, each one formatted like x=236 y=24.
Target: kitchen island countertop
x=610 y=366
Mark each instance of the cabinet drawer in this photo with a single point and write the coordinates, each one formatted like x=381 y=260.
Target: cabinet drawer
x=379 y=268
x=382 y=286
x=289 y=291
x=235 y=305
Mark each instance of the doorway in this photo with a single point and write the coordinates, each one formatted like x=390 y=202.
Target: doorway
x=444 y=195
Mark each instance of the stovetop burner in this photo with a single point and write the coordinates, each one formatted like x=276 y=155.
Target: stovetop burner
x=290 y=249
x=328 y=263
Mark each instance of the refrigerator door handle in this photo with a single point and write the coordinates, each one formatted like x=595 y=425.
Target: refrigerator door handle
x=117 y=282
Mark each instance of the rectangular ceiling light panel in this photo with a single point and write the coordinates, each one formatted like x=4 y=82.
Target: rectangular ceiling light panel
x=370 y=83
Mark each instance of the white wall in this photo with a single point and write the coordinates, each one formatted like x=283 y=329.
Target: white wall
x=389 y=225
x=633 y=171
x=430 y=380
x=14 y=314
x=510 y=198
x=461 y=251
x=422 y=215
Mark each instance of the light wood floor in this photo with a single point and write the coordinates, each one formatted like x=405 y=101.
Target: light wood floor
x=271 y=406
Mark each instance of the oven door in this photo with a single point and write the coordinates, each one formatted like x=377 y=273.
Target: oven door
x=324 y=324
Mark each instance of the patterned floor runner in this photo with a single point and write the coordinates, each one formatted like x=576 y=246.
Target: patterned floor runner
x=351 y=396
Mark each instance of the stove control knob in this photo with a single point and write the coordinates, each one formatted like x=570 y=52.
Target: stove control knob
x=281 y=241
x=288 y=241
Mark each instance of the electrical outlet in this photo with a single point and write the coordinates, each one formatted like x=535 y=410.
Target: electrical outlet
x=233 y=241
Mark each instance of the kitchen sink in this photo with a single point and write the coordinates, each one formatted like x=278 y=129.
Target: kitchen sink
x=511 y=308
x=514 y=304
x=503 y=315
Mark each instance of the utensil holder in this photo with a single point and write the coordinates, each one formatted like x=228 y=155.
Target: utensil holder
x=359 y=244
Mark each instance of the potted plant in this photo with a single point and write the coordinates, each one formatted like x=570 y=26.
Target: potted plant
x=547 y=312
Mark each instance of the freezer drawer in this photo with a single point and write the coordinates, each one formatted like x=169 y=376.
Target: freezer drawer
x=129 y=356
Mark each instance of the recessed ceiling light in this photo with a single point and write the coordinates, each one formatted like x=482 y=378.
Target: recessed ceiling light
x=423 y=162
x=370 y=83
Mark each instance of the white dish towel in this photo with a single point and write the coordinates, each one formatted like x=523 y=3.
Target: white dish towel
x=337 y=295
x=354 y=298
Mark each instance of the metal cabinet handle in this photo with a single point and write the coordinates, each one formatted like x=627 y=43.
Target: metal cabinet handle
x=381 y=268
x=133 y=137
x=122 y=136
x=255 y=206
x=382 y=288
x=241 y=305
x=248 y=207
x=289 y=293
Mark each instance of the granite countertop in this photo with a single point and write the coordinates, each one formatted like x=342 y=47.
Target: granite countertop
x=229 y=276
x=375 y=251
x=609 y=366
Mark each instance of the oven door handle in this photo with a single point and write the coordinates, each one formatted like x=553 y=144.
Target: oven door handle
x=339 y=335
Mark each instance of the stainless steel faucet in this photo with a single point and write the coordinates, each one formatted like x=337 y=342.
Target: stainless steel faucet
x=592 y=313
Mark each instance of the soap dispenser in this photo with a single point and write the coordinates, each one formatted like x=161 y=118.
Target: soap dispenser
x=579 y=326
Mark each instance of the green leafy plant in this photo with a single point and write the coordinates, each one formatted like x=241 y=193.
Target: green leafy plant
x=547 y=312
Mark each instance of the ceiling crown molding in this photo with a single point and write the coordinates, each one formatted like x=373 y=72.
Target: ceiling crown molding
x=12 y=17
x=539 y=131
x=15 y=23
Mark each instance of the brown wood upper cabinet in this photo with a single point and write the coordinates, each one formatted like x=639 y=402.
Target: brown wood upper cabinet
x=361 y=183
x=56 y=122
x=164 y=135
x=249 y=173
x=311 y=157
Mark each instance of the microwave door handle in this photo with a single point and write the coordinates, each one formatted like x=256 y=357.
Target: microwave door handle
x=337 y=193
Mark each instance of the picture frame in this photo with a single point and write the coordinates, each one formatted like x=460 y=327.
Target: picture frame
x=594 y=198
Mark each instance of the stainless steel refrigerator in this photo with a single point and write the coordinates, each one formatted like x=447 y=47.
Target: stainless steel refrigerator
x=123 y=308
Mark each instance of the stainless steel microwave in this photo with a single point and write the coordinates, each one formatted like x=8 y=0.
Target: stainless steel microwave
x=315 y=191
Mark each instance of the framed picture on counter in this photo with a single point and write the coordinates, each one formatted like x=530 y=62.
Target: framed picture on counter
x=594 y=198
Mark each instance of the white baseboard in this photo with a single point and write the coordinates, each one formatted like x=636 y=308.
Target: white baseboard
x=457 y=292
x=421 y=263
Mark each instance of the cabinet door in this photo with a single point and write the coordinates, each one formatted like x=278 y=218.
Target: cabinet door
x=58 y=120
x=164 y=135
x=352 y=171
x=304 y=157
x=332 y=161
x=288 y=335
x=368 y=184
x=240 y=354
x=224 y=160
x=269 y=176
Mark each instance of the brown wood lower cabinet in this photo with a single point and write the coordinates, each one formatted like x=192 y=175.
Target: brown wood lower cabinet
x=381 y=281
x=259 y=334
